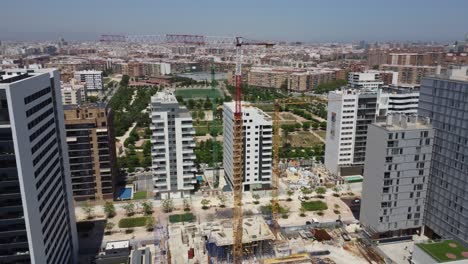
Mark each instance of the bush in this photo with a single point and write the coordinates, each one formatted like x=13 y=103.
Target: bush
x=187 y=217
x=336 y=194
x=129 y=231
x=314 y=206
x=320 y=213
x=336 y=211
x=139 y=195
x=133 y=222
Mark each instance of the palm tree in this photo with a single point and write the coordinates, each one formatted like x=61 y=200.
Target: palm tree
x=109 y=209
x=147 y=207
x=256 y=198
x=88 y=209
x=168 y=205
x=222 y=200
x=205 y=203
x=129 y=208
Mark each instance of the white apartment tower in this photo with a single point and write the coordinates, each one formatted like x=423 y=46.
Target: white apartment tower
x=257 y=147
x=398 y=158
x=350 y=111
x=367 y=80
x=172 y=147
x=92 y=80
x=36 y=207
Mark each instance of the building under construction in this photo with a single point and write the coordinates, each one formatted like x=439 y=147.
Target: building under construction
x=257 y=240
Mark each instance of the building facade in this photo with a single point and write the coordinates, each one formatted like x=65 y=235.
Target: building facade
x=91 y=151
x=350 y=111
x=73 y=94
x=410 y=74
x=368 y=80
x=444 y=99
x=257 y=147
x=36 y=206
x=396 y=173
x=173 y=145
x=92 y=80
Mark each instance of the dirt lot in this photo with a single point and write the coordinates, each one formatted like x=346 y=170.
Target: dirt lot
x=303 y=139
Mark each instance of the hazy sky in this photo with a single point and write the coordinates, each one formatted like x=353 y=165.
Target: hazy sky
x=302 y=20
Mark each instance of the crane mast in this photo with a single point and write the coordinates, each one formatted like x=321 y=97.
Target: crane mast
x=238 y=160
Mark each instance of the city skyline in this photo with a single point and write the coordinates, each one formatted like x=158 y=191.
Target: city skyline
x=317 y=21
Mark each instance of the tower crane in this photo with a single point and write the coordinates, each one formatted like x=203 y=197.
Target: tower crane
x=238 y=42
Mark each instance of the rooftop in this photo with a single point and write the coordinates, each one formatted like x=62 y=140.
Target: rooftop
x=164 y=97
x=14 y=75
x=445 y=251
x=398 y=122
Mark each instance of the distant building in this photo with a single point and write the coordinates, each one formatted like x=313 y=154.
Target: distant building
x=92 y=80
x=91 y=150
x=444 y=99
x=368 y=80
x=257 y=147
x=396 y=171
x=172 y=147
x=410 y=74
x=36 y=207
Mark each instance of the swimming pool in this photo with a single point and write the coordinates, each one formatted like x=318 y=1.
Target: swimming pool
x=125 y=194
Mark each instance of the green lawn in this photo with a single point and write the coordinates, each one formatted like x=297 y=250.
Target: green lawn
x=314 y=205
x=439 y=250
x=133 y=222
x=187 y=217
x=197 y=93
x=139 y=195
x=201 y=130
x=303 y=139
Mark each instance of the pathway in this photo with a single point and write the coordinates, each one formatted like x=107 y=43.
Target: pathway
x=317 y=136
x=124 y=137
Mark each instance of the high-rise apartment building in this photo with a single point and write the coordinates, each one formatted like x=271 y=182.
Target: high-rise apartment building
x=350 y=111
x=92 y=80
x=368 y=79
x=91 y=151
x=172 y=147
x=36 y=207
x=257 y=146
x=444 y=99
x=396 y=171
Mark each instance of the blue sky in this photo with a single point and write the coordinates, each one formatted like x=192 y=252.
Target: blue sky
x=302 y=20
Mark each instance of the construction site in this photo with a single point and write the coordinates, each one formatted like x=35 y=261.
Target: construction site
x=249 y=238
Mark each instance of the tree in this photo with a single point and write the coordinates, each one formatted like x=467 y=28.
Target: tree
x=222 y=200
x=306 y=126
x=109 y=227
x=190 y=104
x=168 y=205
x=321 y=190
x=129 y=208
x=205 y=203
x=208 y=104
x=201 y=114
x=109 y=209
x=256 y=198
x=150 y=222
x=302 y=212
x=125 y=80
x=290 y=194
x=315 y=125
x=306 y=191
x=147 y=208
x=186 y=205
x=92 y=99
x=88 y=209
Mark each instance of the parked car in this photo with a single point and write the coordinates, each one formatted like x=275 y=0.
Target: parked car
x=345 y=237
